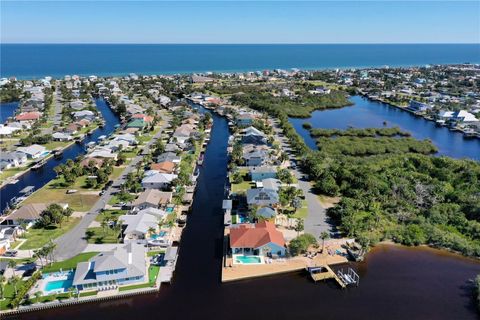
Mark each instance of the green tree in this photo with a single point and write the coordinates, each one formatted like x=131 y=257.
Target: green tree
x=324 y=235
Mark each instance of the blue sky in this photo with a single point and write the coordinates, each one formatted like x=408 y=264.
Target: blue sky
x=240 y=22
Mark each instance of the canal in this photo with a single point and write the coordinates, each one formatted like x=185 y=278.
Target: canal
x=396 y=282
x=365 y=113
x=7 y=109
x=42 y=176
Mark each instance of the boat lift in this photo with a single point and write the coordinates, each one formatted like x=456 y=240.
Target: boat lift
x=349 y=277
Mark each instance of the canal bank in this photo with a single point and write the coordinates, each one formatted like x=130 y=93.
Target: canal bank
x=42 y=176
x=366 y=113
x=396 y=282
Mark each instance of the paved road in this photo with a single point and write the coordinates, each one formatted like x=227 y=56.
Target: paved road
x=73 y=242
x=316 y=221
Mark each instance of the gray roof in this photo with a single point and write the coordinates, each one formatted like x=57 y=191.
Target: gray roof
x=263 y=169
x=227 y=204
x=130 y=257
x=272 y=184
x=167 y=156
x=266 y=212
x=171 y=253
x=262 y=196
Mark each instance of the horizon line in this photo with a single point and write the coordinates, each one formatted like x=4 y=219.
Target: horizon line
x=239 y=43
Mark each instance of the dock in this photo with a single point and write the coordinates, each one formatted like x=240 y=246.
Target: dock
x=343 y=279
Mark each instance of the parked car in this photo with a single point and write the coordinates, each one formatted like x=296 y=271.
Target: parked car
x=10 y=253
x=29 y=271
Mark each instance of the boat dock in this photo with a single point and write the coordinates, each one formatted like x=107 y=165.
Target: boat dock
x=343 y=279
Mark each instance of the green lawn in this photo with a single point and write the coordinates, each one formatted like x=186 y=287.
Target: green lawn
x=154 y=252
x=152 y=274
x=110 y=214
x=243 y=186
x=98 y=235
x=69 y=263
x=88 y=294
x=9 y=294
x=11 y=172
x=56 y=144
x=152 y=277
x=52 y=193
x=117 y=171
x=37 y=238
x=302 y=212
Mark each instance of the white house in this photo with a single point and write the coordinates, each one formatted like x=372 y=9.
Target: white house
x=34 y=151
x=158 y=180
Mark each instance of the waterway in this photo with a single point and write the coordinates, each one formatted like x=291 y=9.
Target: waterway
x=42 y=176
x=395 y=282
x=366 y=113
x=7 y=109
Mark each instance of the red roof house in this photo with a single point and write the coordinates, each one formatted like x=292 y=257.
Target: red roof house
x=260 y=238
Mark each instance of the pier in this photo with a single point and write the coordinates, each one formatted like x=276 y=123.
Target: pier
x=343 y=278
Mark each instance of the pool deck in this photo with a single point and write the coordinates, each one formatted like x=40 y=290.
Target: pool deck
x=235 y=272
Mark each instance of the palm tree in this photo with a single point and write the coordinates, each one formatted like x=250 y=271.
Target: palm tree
x=324 y=235
x=151 y=230
x=2 y=287
x=37 y=294
x=104 y=225
x=14 y=281
x=11 y=264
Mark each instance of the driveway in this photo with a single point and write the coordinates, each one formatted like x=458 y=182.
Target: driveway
x=317 y=220
x=73 y=242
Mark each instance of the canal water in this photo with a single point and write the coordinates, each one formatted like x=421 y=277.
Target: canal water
x=395 y=282
x=42 y=176
x=366 y=113
x=7 y=110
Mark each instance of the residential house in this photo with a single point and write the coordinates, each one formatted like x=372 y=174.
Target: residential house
x=153 y=198
x=158 y=180
x=13 y=159
x=266 y=213
x=34 y=151
x=169 y=156
x=84 y=114
x=272 y=184
x=138 y=225
x=123 y=265
x=91 y=161
x=72 y=128
x=61 y=136
x=77 y=105
x=28 y=116
x=254 y=136
x=262 y=172
x=28 y=213
x=253 y=156
x=260 y=239
x=164 y=167
x=244 y=120
x=419 y=106
x=262 y=197
x=137 y=123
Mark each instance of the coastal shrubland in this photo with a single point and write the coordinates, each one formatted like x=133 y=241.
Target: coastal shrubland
x=301 y=244
x=265 y=97
x=355 y=146
x=355 y=132
x=404 y=195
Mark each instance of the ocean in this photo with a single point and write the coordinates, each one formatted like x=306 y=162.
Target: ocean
x=31 y=61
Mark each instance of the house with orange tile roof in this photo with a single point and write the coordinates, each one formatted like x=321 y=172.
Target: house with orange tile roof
x=259 y=239
x=28 y=116
x=164 y=167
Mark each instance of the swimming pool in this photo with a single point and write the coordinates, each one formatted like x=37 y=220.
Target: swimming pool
x=241 y=259
x=169 y=209
x=57 y=282
x=161 y=234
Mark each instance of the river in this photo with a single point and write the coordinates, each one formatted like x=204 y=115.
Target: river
x=42 y=176
x=395 y=282
x=365 y=113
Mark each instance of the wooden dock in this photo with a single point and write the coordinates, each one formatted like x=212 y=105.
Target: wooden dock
x=325 y=272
